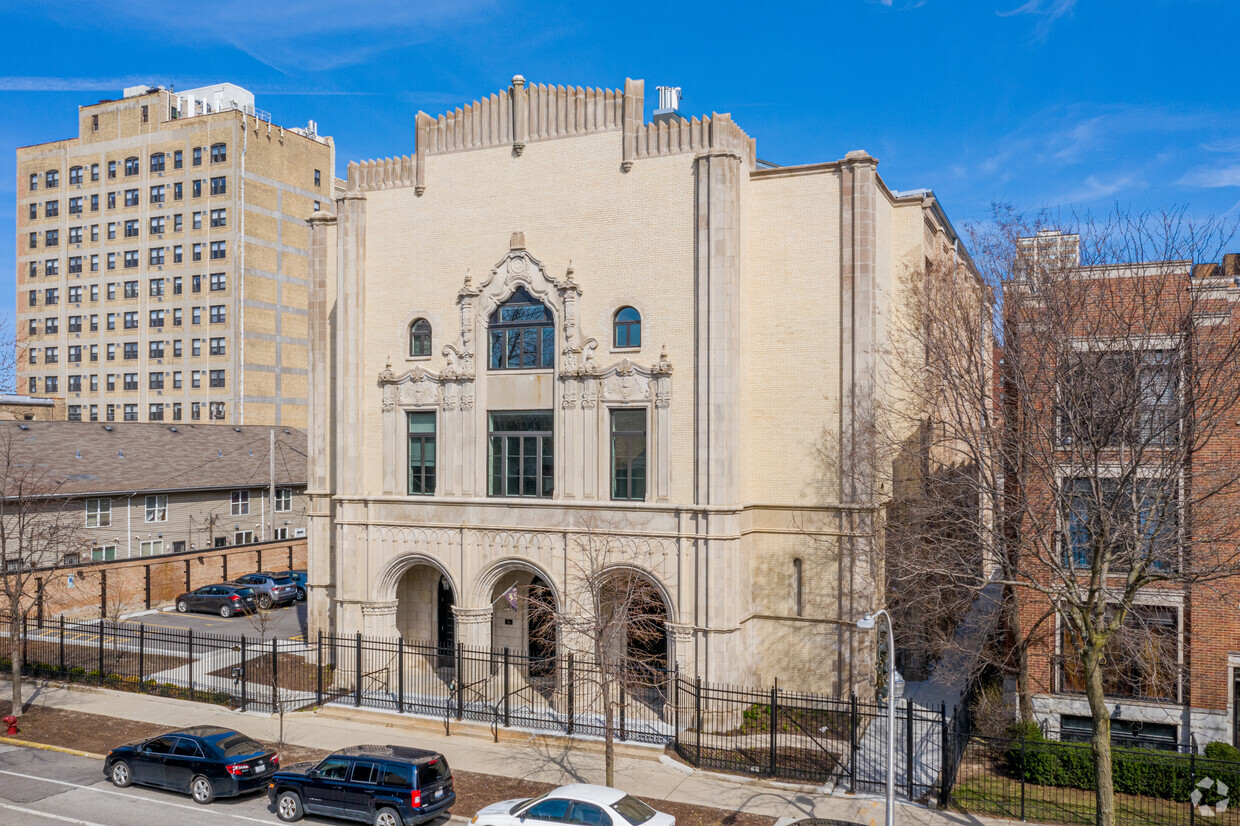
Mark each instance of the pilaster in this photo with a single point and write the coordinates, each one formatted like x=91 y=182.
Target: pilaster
x=351 y=350
x=321 y=482
x=717 y=247
x=379 y=619
x=633 y=115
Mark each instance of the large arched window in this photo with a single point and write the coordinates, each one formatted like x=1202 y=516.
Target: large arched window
x=420 y=338
x=628 y=328
x=522 y=334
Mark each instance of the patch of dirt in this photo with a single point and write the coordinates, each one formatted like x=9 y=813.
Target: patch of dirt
x=86 y=657
x=99 y=734
x=292 y=671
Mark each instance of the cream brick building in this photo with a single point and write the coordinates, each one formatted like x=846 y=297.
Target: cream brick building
x=761 y=293
x=162 y=260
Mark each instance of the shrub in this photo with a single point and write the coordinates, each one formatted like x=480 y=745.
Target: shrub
x=77 y=672
x=1222 y=751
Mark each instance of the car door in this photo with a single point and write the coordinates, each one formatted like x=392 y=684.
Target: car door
x=551 y=810
x=185 y=761
x=202 y=598
x=358 y=795
x=587 y=814
x=150 y=762
x=324 y=792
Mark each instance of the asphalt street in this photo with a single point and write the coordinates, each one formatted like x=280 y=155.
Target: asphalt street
x=42 y=788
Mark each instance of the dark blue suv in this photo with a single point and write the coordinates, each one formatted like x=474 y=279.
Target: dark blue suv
x=383 y=785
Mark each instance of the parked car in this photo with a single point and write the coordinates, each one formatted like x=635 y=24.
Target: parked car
x=383 y=785
x=576 y=803
x=205 y=761
x=273 y=590
x=299 y=578
x=223 y=598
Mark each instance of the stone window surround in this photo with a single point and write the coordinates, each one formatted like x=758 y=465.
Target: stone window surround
x=607 y=318
x=437 y=325
x=583 y=392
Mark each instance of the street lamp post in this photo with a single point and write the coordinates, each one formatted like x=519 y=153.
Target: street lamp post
x=868 y=622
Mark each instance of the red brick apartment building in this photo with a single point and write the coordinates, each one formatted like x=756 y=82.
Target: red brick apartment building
x=1143 y=332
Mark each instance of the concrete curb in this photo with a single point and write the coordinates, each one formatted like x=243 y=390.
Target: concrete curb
x=13 y=741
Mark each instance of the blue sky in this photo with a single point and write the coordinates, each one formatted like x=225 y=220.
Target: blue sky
x=1073 y=104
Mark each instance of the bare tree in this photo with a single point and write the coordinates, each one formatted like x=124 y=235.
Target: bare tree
x=614 y=613
x=1105 y=454
x=38 y=527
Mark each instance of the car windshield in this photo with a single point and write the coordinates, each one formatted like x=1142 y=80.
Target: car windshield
x=529 y=801
x=245 y=592
x=235 y=745
x=633 y=810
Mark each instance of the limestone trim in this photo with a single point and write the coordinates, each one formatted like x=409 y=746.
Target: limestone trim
x=389 y=579
x=386 y=608
x=491 y=573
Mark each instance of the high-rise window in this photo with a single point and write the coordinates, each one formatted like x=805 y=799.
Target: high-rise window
x=219 y=152
x=421 y=453
x=521 y=334
x=520 y=457
x=628 y=454
x=131 y=166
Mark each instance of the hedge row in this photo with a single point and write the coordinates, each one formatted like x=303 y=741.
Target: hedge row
x=1162 y=774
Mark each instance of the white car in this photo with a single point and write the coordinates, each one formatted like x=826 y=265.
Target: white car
x=577 y=803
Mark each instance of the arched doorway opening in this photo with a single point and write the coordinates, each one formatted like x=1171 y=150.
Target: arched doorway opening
x=635 y=617
x=424 y=602
x=524 y=620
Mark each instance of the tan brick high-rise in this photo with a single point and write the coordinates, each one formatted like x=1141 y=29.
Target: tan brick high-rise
x=555 y=318
x=162 y=260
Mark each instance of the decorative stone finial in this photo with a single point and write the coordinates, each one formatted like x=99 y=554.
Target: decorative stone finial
x=469 y=278
x=517 y=242
x=518 y=81
x=387 y=375
x=664 y=365
x=568 y=274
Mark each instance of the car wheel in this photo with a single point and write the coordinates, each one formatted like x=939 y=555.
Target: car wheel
x=388 y=817
x=288 y=807
x=182 y=606
x=121 y=776
x=225 y=611
x=264 y=602
x=200 y=789
x=301 y=594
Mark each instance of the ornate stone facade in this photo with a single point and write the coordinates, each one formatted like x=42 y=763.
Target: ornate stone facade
x=761 y=294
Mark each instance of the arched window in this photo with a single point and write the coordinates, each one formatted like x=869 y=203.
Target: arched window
x=628 y=328
x=75 y=175
x=521 y=333
x=219 y=152
x=157 y=162
x=52 y=178
x=131 y=166
x=420 y=338
x=798 y=587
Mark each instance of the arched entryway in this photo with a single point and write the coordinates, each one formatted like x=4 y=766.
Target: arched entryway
x=425 y=599
x=635 y=612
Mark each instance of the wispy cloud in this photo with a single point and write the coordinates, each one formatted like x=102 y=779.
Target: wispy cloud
x=1212 y=177
x=1047 y=10
x=1097 y=188
x=34 y=83
x=319 y=35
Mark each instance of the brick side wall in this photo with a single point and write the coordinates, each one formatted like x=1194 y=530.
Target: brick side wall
x=126 y=581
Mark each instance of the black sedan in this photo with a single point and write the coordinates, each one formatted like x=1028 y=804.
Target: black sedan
x=222 y=598
x=205 y=761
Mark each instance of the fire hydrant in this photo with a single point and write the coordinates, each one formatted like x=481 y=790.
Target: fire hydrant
x=11 y=722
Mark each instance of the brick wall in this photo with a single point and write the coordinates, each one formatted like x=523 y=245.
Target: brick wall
x=126 y=582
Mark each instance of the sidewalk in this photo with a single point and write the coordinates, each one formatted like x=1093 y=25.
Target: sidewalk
x=531 y=759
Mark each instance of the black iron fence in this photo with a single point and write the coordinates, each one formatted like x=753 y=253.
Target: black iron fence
x=808 y=737
x=1051 y=781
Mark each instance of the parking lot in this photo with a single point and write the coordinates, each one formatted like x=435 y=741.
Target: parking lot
x=287 y=623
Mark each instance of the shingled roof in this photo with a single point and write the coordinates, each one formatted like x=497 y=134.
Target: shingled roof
x=127 y=457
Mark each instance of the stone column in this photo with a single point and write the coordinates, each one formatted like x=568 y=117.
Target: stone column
x=320 y=526
x=717 y=357
x=355 y=387
x=858 y=310
x=633 y=114
x=473 y=626
x=681 y=638
x=520 y=115
x=379 y=619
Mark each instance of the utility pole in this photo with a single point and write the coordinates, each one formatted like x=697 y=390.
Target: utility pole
x=271 y=452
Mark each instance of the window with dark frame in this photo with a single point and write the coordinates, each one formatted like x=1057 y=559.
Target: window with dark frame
x=627 y=327
x=521 y=334
x=628 y=454
x=520 y=461
x=421 y=453
x=420 y=338
x=1141 y=660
